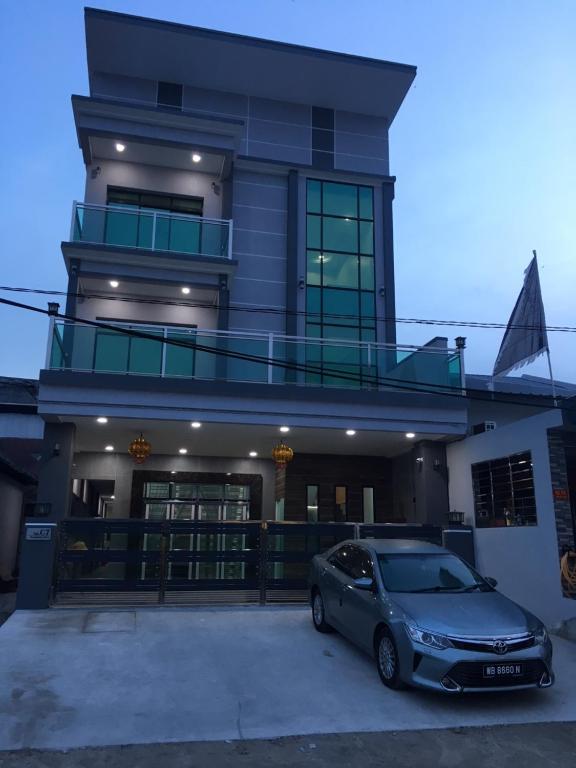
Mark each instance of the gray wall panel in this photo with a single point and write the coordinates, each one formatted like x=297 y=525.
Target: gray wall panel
x=274 y=152
x=120 y=86
x=215 y=102
x=261 y=195
x=279 y=111
x=361 y=164
x=280 y=133
x=260 y=218
x=352 y=122
x=264 y=243
x=262 y=267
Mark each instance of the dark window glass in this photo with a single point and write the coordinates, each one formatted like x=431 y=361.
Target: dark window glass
x=340 y=503
x=362 y=565
x=170 y=95
x=190 y=206
x=504 y=492
x=312 y=503
x=340 y=276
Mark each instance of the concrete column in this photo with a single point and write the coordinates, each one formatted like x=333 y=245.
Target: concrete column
x=10 y=512
x=430 y=482
x=388 y=240
x=54 y=477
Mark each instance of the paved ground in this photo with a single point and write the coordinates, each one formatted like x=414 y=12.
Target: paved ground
x=73 y=678
x=552 y=745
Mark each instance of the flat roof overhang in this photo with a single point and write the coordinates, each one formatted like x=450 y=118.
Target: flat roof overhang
x=65 y=394
x=134 y=46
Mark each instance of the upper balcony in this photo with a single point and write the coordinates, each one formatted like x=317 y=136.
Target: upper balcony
x=113 y=225
x=261 y=358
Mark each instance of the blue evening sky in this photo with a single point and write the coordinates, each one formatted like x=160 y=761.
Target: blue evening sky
x=484 y=150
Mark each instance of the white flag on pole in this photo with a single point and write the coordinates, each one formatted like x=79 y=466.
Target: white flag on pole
x=525 y=336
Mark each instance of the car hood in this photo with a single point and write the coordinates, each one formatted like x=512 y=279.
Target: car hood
x=478 y=614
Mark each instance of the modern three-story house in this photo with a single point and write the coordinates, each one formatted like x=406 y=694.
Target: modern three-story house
x=231 y=286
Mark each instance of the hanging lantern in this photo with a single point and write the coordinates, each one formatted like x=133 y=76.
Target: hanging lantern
x=282 y=454
x=139 y=449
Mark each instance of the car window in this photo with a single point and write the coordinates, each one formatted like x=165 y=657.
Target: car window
x=363 y=565
x=343 y=559
x=429 y=573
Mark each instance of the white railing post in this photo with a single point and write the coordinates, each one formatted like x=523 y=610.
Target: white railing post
x=73 y=222
x=369 y=355
x=230 y=230
x=50 y=342
x=153 y=244
x=270 y=356
x=462 y=372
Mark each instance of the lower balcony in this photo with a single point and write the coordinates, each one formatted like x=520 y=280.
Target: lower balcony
x=264 y=358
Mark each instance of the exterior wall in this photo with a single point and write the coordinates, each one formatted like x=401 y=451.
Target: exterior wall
x=151 y=178
x=260 y=211
x=120 y=467
x=327 y=472
x=10 y=514
x=154 y=314
x=524 y=560
x=274 y=130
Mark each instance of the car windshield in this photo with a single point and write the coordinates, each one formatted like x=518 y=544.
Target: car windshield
x=429 y=573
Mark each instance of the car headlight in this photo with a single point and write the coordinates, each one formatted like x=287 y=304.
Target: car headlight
x=440 y=642
x=541 y=635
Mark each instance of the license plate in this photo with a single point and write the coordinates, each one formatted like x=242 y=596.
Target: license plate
x=503 y=670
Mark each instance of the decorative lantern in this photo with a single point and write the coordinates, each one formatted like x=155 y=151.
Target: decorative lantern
x=139 y=449
x=282 y=454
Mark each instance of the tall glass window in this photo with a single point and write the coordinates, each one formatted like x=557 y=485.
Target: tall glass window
x=340 y=296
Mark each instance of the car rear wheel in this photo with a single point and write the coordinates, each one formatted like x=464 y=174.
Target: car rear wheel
x=387 y=660
x=318 y=614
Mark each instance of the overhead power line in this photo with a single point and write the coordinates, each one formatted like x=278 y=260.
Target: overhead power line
x=286 y=312
x=392 y=383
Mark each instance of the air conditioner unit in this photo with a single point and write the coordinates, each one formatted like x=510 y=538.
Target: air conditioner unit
x=484 y=426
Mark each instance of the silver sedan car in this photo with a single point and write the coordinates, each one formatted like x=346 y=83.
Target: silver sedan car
x=428 y=618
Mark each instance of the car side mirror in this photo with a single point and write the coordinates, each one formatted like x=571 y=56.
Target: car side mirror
x=493 y=583
x=364 y=583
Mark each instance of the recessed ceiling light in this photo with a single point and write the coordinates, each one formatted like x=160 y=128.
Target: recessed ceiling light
x=112 y=497
x=120 y=147
x=410 y=435
x=228 y=474
x=114 y=283
x=196 y=425
x=173 y=472
x=284 y=429
x=196 y=157
x=102 y=420
x=182 y=451
x=253 y=454
x=186 y=291
x=109 y=448
x=350 y=432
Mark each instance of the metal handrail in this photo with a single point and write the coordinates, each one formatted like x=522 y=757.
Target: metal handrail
x=154 y=216
x=117 y=207
x=276 y=337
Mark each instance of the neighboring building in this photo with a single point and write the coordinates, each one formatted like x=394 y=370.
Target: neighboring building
x=514 y=479
x=231 y=270
x=21 y=432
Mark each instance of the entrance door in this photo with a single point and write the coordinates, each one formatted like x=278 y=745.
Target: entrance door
x=198 y=502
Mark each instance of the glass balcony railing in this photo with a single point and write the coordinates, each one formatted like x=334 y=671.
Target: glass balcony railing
x=176 y=352
x=151 y=230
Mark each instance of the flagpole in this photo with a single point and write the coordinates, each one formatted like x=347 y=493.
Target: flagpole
x=549 y=363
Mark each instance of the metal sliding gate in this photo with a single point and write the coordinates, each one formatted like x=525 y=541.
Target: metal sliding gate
x=175 y=562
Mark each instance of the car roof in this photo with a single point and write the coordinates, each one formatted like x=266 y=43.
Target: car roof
x=398 y=546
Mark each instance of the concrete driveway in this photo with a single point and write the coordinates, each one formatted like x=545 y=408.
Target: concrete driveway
x=71 y=678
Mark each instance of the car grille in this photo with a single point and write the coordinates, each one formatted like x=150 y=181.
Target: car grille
x=483 y=645
x=469 y=674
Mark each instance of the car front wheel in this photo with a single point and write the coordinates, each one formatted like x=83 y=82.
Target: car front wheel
x=318 y=614
x=387 y=660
